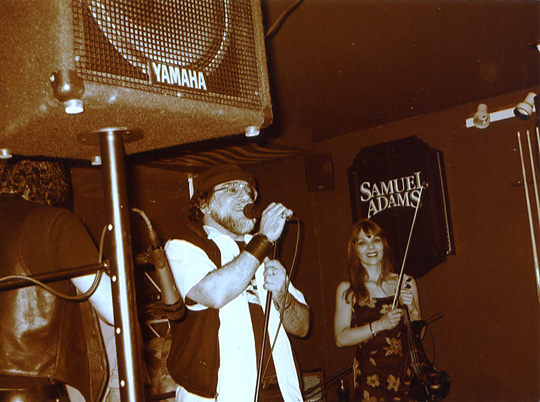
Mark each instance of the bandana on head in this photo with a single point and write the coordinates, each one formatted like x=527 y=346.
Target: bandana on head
x=215 y=175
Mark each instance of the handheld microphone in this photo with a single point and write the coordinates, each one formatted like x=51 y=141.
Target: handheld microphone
x=254 y=211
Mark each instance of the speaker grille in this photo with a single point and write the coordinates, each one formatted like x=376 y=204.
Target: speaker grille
x=184 y=49
x=313 y=391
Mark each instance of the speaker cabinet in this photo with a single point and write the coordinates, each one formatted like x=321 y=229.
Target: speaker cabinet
x=314 y=390
x=319 y=171
x=179 y=71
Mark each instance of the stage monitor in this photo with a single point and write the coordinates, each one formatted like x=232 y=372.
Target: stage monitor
x=179 y=71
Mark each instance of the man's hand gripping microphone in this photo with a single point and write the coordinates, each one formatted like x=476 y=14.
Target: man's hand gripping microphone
x=255 y=211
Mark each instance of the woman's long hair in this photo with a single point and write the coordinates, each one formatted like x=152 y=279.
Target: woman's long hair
x=356 y=272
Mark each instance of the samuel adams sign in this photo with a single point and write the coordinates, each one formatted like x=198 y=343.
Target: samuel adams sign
x=386 y=184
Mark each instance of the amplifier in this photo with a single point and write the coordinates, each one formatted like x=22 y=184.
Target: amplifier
x=180 y=71
x=314 y=390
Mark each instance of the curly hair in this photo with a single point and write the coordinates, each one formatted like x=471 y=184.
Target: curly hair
x=42 y=181
x=356 y=272
x=199 y=200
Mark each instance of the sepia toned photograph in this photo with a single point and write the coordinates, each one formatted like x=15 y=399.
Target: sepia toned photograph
x=269 y=200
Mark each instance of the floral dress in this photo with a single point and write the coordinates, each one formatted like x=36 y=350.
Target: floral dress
x=380 y=372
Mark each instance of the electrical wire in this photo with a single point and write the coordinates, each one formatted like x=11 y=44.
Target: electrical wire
x=276 y=25
x=79 y=298
x=433 y=342
x=282 y=308
x=144 y=216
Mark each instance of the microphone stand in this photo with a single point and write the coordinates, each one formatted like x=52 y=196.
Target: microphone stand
x=48 y=277
x=264 y=335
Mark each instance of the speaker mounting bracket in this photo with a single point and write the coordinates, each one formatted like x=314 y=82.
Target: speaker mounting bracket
x=93 y=137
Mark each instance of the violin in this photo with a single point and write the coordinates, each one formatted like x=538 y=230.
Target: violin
x=428 y=383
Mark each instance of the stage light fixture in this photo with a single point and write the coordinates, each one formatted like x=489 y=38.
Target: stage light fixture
x=535 y=45
x=68 y=88
x=493 y=117
x=481 y=117
x=524 y=109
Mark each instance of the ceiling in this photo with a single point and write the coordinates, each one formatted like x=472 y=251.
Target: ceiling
x=338 y=66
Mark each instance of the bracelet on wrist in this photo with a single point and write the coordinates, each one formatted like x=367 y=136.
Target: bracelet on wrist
x=373 y=333
x=259 y=247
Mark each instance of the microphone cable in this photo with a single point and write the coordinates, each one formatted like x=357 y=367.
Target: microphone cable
x=282 y=308
x=80 y=297
x=173 y=305
x=276 y=25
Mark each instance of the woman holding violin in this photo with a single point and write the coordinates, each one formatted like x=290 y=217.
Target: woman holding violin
x=366 y=316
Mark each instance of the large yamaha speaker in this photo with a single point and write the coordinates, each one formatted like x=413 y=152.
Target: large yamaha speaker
x=179 y=71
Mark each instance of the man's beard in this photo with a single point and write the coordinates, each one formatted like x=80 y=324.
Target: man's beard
x=238 y=226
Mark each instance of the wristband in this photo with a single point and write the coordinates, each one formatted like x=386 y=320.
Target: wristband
x=373 y=333
x=259 y=247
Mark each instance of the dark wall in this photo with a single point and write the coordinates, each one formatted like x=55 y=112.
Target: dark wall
x=488 y=338
x=163 y=195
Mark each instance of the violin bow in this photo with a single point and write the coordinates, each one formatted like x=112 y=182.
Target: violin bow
x=402 y=272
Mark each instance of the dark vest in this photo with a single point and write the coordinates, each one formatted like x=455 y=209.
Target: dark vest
x=193 y=360
x=42 y=336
